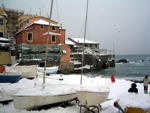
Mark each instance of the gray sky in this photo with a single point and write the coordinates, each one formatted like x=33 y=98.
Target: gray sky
x=120 y=24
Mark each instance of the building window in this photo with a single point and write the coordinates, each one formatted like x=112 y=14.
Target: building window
x=53 y=38
x=42 y=27
x=53 y=28
x=64 y=51
x=29 y=37
x=1 y=22
x=27 y=21
x=21 y=25
x=1 y=34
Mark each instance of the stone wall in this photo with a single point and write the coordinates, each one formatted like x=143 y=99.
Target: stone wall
x=66 y=67
x=97 y=62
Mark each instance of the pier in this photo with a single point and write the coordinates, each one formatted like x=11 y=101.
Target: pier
x=90 y=63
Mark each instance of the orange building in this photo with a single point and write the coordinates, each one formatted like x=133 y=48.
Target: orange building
x=33 y=34
x=65 y=65
x=26 y=20
x=65 y=56
x=31 y=30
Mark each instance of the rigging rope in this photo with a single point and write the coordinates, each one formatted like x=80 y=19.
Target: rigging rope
x=84 y=39
x=57 y=11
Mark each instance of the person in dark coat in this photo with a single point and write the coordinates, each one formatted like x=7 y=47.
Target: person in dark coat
x=133 y=88
x=145 y=83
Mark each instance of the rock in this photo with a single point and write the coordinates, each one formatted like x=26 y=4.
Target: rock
x=122 y=61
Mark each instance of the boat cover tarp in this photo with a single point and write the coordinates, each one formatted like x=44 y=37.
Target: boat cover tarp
x=28 y=71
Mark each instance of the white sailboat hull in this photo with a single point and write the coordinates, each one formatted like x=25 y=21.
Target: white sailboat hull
x=30 y=102
x=88 y=98
x=49 y=70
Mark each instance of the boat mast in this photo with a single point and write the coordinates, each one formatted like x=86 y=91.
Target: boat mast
x=47 y=41
x=84 y=39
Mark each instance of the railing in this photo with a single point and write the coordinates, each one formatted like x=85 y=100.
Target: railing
x=107 y=52
x=97 y=51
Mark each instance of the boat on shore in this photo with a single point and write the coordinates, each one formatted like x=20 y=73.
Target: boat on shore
x=34 y=101
x=28 y=71
x=89 y=98
x=9 y=77
x=49 y=70
x=55 y=91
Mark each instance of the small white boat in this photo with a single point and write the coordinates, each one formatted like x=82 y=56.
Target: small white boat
x=29 y=71
x=30 y=102
x=49 y=70
x=90 y=98
x=9 y=77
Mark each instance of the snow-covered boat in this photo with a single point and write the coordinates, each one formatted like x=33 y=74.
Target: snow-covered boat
x=33 y=101
x=90 y=98
x=49 y=70
x=9 y=77
x=54 y=91
x=28 y=71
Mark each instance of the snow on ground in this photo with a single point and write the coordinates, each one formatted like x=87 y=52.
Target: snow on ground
x=118 y=91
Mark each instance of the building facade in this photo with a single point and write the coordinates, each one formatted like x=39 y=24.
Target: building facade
x=65 y=65
x=79 y=43
x=8 y=23
x=33 y=35
x=34 y=31
x=3 y=23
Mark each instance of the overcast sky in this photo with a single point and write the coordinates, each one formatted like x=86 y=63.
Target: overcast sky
x=120 y=24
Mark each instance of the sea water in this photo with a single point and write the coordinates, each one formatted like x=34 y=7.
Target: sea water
x=137 y=68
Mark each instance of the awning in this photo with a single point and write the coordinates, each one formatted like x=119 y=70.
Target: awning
x=51 y=33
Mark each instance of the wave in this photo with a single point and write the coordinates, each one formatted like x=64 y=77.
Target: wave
x=134 y=58
x=136 y=61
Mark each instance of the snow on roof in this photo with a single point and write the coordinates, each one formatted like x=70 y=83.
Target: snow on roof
x=68 y=42
x=4 y=44
x=40 y=22
x=79 y=40
x=43 y=22
x=4 y=39
x=51 y=33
